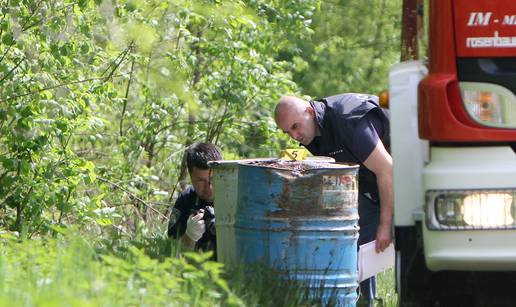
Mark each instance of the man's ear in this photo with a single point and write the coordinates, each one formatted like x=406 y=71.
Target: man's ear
x=310 y=110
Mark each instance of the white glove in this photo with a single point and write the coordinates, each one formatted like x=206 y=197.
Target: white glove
x=195 y=227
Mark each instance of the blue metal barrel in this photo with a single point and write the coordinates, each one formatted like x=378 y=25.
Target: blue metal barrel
x=225 y=190
x=301 y=220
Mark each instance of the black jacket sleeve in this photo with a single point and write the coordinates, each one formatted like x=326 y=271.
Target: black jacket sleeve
x=180 y=212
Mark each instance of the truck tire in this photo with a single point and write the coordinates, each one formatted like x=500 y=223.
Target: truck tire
x=408 y=265
x=416 y=285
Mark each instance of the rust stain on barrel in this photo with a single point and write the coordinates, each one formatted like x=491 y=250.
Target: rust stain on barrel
x=303 y=187
x=304 y=192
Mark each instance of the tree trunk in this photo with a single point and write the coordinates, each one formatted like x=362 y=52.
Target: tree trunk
x=377 y=42
x=411 y=29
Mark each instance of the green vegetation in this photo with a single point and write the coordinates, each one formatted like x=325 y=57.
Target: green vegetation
x=386 y=288
x=353 y=46
x=98 y=100
x=73 y=271
x=78 y=270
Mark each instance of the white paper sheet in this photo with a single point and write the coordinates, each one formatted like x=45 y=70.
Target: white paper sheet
x=370 y=263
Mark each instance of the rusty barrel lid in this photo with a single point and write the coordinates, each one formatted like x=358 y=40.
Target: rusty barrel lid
x=234 y=163
x=304 y=167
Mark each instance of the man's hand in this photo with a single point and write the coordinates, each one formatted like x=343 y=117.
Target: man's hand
x=195 y=226
x=383 y=237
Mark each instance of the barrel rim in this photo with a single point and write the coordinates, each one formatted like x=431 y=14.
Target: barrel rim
x=335 y=166
x=229 y=163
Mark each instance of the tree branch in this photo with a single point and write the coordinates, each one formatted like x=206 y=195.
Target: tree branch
x=125 y=98
x=56 y=86
x=141 y=201
x=12 y=69
x=121 y=57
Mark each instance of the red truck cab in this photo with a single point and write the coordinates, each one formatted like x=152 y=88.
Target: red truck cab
x=453 y=129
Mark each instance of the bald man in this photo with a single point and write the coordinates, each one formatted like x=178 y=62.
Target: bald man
x=351 y=128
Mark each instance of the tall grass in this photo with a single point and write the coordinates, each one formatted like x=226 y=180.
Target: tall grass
x=71 y=272
x=387 y=289
x=76 y=270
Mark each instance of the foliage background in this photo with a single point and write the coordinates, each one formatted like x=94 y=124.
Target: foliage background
x=99 y=99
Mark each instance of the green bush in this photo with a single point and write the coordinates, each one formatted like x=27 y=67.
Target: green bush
x=70 y=271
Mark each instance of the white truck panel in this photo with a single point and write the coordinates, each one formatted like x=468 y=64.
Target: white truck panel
x=470 y=168
x=408 y=151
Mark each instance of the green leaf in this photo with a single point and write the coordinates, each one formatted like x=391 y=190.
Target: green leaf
x=104 y=221
x=61 y=125
x=8 y=39
x=3 y=114
x=46 y=94
x=83 y=3
x=10 y=164
x=25 y=167
x=6 y=184
x=85 y=48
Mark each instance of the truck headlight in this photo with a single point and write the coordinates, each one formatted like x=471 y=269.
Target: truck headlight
x=489 y=104
x=471 y=209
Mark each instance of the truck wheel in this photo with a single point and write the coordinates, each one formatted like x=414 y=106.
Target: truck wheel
x=411 y=272
x=418 y=286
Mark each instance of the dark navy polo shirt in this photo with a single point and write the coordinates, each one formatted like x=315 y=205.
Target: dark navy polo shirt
x=350 y=127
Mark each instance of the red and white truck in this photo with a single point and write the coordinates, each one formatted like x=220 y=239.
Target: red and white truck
x=453 y=129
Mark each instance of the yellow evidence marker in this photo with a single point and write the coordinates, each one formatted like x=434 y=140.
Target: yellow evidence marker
x=296 y=154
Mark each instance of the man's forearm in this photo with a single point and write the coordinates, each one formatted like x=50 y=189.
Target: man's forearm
x=386 y=199
x=380 y=163
x=384 y=232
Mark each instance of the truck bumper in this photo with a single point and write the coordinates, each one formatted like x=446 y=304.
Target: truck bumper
x=476 y=250
x=469 y=168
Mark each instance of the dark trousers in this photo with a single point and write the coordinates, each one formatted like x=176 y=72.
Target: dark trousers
x=369 y=218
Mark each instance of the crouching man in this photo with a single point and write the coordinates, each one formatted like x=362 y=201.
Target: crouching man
x=192 y=219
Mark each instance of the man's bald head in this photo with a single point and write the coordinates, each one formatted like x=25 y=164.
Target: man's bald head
x=290 y=104
x=296 y=117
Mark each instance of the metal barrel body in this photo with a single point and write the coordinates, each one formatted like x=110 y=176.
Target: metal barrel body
x=225 y=190
x=303 y=225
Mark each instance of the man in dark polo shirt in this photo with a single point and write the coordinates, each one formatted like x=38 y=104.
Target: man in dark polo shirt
x=350 y=128
x=192 y=217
